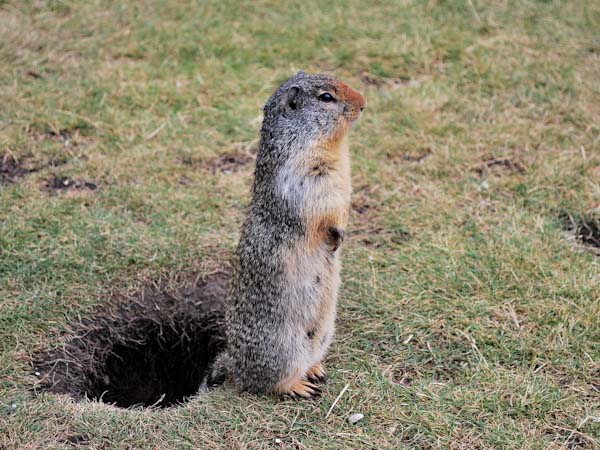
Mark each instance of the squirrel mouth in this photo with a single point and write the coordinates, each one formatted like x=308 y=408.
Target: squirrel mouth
x=353 y=112
x=352 y=116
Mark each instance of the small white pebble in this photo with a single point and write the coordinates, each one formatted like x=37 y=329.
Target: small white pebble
x=485 y=185
x=13 y=406
x=37 y=374
x=353 y=418
x=278 y=441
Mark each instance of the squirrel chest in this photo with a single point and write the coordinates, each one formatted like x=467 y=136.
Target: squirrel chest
x=328 y=199
x=318 y=186
x=322 y=197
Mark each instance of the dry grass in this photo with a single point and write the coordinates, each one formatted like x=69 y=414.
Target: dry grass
x=469 y=315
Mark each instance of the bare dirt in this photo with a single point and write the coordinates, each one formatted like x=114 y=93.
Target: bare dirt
x=493 y=165
x=415 y=156
x=229 y=162
x=379 y=82
x=586 y=229
x=11 y=169
x=63 y=183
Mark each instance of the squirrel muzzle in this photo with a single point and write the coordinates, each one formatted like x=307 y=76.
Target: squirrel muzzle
x=355 y=103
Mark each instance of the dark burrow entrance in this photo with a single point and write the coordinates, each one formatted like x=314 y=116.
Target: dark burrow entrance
x=586 y=228
x=151 y=350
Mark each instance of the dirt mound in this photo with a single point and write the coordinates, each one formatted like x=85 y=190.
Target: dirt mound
x=11 y=169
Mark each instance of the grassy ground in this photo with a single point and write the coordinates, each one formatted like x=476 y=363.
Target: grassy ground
x=469 y=317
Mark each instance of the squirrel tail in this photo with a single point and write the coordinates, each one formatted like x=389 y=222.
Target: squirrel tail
x=219 y=370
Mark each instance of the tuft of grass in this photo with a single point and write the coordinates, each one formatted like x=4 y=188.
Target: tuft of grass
x=469 y=316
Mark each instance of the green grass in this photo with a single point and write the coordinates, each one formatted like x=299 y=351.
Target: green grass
x=468 y=318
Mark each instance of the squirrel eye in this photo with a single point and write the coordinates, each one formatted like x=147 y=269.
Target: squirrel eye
x=326 y=97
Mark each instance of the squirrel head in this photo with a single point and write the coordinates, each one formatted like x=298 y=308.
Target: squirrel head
x=310 y=108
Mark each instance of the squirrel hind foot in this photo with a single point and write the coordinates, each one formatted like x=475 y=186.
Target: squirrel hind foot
x=316 y=374
x=302 y=389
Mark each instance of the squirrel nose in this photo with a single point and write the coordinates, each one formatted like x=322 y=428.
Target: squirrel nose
x=363 y=105
x=356 y=99
x=352 y=97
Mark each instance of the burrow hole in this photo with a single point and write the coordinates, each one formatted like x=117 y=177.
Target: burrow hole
x=585 y=227
x=155 y=350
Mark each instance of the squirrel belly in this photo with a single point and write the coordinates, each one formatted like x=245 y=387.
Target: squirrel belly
x=283 y=292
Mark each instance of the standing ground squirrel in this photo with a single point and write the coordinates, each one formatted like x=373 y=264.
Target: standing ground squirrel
x=283 y=292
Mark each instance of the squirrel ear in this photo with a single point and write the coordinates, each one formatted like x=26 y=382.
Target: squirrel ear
x=289 y=99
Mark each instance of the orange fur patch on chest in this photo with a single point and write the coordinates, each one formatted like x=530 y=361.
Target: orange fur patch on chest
x=336 y=145
x=330 y=164
x=327 y=155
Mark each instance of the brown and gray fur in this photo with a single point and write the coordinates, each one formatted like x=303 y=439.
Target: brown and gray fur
x=283 y=293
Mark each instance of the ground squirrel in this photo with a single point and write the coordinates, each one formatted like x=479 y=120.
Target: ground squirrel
x=283 y=292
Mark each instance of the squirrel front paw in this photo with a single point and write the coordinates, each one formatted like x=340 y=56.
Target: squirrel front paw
x=335 y=237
